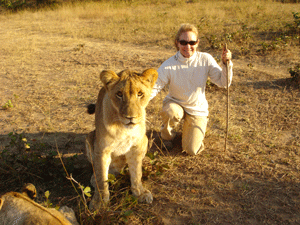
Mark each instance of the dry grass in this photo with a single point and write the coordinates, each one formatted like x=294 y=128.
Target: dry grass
x=50 y=63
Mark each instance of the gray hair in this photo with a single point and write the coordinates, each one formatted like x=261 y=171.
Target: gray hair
x=186 y=27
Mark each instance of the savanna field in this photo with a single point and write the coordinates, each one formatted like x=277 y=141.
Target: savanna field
x=51 y=55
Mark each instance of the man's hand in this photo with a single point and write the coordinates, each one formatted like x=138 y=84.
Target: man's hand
x=226 y=55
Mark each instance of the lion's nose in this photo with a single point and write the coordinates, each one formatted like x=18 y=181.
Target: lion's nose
x=130 y=118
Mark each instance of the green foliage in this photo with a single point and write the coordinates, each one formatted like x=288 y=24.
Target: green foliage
x=268 y=47
x=289 y=1
x=295 y=73
x=214 y=41
x=47 y=203
x=87 y=191
x=296 y=16
x=111 y=179
x=210 y=85
x=18 y=141
x=7 y=105
x=12 y=5
x=126 y=214
x=294 y=28
x=241 y=38
x=282 y=39
x=156 y=167
x=15 y=5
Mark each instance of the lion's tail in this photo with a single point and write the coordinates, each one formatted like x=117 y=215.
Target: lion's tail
x=91 y=108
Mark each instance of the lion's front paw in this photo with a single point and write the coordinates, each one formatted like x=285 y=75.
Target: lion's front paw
x=97 y=202
x=146 y=197
x=94 y=205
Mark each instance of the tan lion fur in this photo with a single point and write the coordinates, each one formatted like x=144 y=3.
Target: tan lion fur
x=120 y=134
x=20 y=209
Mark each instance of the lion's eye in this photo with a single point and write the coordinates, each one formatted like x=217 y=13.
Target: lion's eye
x=140 y=94
x=119 y=94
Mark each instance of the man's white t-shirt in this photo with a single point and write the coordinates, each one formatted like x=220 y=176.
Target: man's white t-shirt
x=187 y=80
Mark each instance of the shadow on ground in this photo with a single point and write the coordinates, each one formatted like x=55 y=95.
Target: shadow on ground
x=33 y=158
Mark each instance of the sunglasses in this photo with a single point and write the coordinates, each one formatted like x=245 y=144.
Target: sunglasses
x=183 y=42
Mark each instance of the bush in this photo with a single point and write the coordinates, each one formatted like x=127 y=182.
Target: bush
x=289 y=1
x=297 y=19
x=295 y=73
x=15 y=5
x=12 y=5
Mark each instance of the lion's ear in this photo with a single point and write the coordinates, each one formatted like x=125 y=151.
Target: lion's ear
x=108 y=77
x=150 y=75
x=29 y=190
x=1 y=203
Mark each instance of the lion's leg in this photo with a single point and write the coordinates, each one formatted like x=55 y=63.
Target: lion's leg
x=89 y=145
x=117 y=164
x=101 y=164
x=134 y=159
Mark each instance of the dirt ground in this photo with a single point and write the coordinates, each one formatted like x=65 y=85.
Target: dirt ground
x=49 y=79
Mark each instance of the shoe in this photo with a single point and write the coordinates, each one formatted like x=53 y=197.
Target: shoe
x=201 y=149
x=167 y=134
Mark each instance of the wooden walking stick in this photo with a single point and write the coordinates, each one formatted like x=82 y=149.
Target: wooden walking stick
x=227 y=121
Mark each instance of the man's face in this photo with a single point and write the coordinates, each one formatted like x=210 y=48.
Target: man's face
x=187 y=50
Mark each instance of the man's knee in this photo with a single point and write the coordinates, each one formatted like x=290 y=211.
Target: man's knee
x=172 y=111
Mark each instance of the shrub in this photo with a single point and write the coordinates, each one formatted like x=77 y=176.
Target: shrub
x=295 y=73
x=296 y=16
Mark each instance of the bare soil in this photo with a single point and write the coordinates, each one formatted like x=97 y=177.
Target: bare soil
x=50 y=79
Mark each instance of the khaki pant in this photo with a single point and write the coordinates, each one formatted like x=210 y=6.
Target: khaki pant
x=194 y=127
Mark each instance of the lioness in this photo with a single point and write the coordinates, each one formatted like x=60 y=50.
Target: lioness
x=20 y=209
x=120 y=134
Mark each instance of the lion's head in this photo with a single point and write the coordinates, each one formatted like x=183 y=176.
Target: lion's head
x=129 y=93
x=20 y=209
